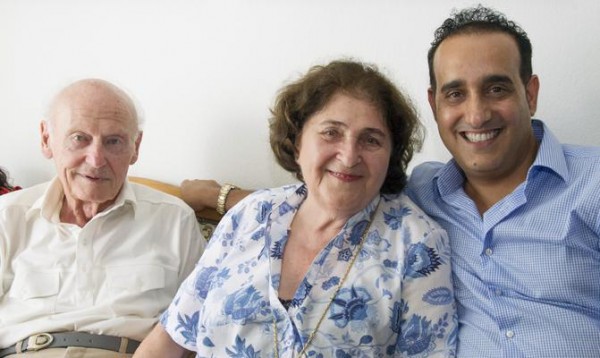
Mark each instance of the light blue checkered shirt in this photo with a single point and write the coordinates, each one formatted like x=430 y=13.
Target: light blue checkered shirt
x=527 y=273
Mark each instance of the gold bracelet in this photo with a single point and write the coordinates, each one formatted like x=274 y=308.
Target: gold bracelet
x=222 y=198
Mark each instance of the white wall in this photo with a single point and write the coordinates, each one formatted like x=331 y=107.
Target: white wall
x=206 y=72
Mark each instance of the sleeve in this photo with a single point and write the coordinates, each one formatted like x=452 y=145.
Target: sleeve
x=4 y=253
x=182 y=319
x=429 y=322
x=2 y=262
x=597 y=224
x=193 y=244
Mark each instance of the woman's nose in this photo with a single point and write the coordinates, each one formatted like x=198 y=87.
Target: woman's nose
x=349 y=153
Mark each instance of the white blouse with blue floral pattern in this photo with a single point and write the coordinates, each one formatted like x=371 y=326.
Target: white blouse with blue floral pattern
x=397 y=299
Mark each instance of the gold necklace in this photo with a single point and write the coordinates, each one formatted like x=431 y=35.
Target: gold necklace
x=337 y=289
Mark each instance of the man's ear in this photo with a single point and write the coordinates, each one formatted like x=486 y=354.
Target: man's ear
x=431 y=99
x=136 y=153
x=531 y=91
x=45 y=136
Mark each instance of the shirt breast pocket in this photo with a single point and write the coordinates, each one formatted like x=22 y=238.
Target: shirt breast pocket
x=28 y=285
x=29 y=295
x=135 y=289
x=138 y=278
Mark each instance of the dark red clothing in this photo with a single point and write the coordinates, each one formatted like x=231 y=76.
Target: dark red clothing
x=4 y=190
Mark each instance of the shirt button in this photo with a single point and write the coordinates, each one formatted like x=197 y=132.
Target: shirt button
x=510 y=334
x=489 y=251
x=498 y=292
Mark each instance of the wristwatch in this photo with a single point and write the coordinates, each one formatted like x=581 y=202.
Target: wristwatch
x=222 y=198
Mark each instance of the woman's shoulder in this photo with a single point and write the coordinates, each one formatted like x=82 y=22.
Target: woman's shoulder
x=401 y=209
x=260 y=203
x=273 y=195
x=402 y=200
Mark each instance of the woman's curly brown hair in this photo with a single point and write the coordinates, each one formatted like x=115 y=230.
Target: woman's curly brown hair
x=298 y=101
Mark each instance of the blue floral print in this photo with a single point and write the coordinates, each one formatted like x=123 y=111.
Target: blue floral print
x=210 y=276
x=416 y=335
x=264 y=208
x=188 y=327
x=240 y=350
x=243 y=304
x=422 y=261
x=395 y=216
x=397 y=299
x=349 y=305
x=205 y=278
x=438 y=296
x=331 y=283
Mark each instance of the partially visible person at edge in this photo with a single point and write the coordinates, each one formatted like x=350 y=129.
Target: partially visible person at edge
x=521 y=209
x=341 y=264
x=88 y=261
x=5 y=186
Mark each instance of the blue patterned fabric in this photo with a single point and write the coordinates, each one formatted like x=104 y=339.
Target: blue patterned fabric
x=397 y=299
x=527 y=273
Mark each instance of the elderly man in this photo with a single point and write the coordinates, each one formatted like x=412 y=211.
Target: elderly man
x=88 y=261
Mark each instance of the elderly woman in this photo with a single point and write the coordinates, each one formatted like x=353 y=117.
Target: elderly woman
x=340 y=265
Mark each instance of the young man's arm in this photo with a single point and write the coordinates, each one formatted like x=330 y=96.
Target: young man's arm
x=202 y=194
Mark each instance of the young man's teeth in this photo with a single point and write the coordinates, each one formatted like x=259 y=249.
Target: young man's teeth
x=480 y=137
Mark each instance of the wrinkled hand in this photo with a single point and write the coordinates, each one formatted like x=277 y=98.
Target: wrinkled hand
x=200 y=194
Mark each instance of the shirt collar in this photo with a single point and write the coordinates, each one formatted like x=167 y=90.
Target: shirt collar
x=550 y=155
x=50 y=203
x=449 y=178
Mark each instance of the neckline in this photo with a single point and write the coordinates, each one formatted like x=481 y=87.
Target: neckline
x=311 y=336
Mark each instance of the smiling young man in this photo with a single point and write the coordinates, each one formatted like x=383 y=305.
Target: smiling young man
x=521 y=209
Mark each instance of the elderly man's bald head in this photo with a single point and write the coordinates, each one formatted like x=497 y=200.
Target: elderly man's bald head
x=94 y=93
